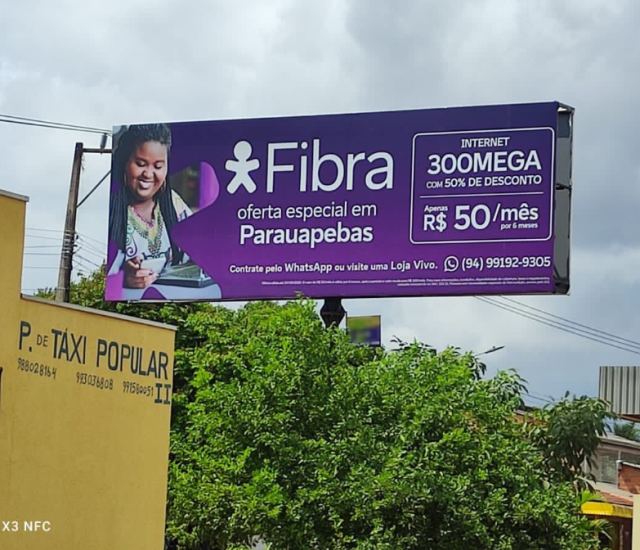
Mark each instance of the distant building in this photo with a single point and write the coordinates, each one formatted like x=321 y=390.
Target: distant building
x=616 y=470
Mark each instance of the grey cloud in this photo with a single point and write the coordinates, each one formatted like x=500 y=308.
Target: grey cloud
x=139 y=61
x=427 y=54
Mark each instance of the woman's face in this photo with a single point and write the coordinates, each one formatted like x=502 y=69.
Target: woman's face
x=146 y=170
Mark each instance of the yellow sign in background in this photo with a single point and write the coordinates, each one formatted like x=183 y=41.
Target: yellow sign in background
x=85 y=402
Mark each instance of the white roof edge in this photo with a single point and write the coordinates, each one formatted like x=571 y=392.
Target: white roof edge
x=118 y=316
x=614 y=440
x=14 y=195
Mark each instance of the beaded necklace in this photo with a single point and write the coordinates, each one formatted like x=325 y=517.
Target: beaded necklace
x=151 y=230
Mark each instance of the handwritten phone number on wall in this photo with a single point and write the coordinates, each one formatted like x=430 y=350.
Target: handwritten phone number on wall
x=133 y=388
x=92 y=380
x=39 y=369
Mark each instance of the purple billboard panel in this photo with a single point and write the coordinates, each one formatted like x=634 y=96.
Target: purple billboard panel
x=408 y=203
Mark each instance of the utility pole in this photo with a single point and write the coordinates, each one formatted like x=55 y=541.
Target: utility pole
x=69 y=237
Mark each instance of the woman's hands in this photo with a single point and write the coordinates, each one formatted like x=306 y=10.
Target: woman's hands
x=135 y=276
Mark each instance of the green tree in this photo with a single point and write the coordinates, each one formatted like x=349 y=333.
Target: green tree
x=568 y=432
x=628 y=430
x=285 y=430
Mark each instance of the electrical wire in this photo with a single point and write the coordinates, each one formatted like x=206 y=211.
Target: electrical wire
x=82 y=268
x=41 y=254
x=590 y=331
x=102 y=244
x=81 y=235
x=56 y=123
x=547 y=398
x=94 y=258
x=587 y=327
x=45 y=230
x=93 y=189
x=555 y=324
x=89 y=247
x=65 y=234
x=533 y=396
x=11 y=119
x=97 y=266
x=59 y=239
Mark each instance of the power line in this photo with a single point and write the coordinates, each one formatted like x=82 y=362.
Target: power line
x=90 y=246
x=635 y=343
x=81 y=266
x=86 y=260
x=10 y=119
x=554 y=324
x=41 y=254
x=45 y=230
x=542 y=397
x=82 y=245
x=93 y=189
x=92 y=239
x=590 y=331
x=53 y=127
x=559 y=325
x=79 y=127
x=43 y=238
x=93 y=254
x=81 y=237
x=533 y=396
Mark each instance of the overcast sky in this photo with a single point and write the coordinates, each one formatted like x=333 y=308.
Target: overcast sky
x=109 y=63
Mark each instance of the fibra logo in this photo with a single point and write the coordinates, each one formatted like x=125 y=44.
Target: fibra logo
x=373 y=170
x=241 y=167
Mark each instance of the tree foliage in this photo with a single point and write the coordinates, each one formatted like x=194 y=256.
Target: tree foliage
x=628 y=430
x=282 y=429
x=568 y=433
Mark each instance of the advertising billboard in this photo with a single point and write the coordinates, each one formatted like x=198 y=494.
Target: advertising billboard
x=458 y=201
x=365 y=330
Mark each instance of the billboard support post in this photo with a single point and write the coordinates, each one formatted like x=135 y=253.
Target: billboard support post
x=332 y=312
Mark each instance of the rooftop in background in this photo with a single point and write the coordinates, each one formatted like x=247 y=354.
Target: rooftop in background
x=619 y=387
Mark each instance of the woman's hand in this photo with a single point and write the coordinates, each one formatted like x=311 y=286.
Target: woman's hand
x=135 y=277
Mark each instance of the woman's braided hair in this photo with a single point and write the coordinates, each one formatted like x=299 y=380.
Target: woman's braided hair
x=134 y=136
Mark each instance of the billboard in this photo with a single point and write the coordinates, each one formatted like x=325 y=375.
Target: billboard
x=365 y=330
x=459 y=201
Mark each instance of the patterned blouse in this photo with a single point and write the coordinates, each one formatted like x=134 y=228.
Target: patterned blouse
x=149 y=239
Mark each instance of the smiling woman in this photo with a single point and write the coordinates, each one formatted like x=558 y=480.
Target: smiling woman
x=145 y=209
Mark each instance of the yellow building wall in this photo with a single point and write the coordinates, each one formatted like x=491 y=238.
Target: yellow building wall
x=12 y=217
x=84 y=419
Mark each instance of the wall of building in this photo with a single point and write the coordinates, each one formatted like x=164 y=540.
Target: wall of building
x=85 y=401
